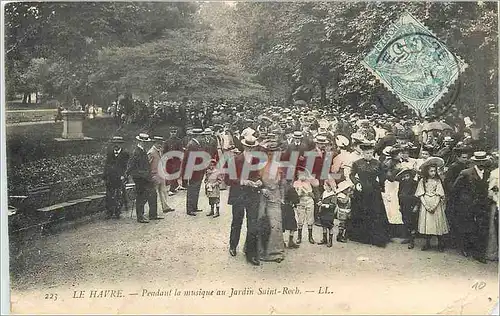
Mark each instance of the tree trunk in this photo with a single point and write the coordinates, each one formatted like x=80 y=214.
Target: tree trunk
x=25 y=97
x=322 y=93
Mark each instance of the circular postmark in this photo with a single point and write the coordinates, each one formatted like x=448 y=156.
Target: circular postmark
x=421 y=69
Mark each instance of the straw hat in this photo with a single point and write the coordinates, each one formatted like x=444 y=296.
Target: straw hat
x=480 y=156
x=250 y=141
x=433 y=161
x=321 y=139
x=117 y=139
x=143 y=137
x=297 y=134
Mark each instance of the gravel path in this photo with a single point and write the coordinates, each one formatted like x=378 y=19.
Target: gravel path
x=190 y=253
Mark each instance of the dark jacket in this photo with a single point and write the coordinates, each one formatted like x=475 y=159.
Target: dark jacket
x=240 y=194
x=138 y=165
x=115 y=167
x=470 y=203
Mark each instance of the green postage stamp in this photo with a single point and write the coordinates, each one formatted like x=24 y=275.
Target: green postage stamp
x=414 y=64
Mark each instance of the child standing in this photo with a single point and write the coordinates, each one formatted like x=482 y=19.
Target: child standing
x=430 y=191
x=305 y=209
x=213 y=180
x=327 y=214
x=407 y=202
x=343 y=210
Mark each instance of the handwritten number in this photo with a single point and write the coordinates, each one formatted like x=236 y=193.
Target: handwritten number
x=51 y=296
x=479 y=285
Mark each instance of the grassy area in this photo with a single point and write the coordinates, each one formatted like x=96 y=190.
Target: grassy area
x=35 y=157
x=19 y=105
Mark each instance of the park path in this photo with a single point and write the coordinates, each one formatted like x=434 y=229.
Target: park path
x=191 y=253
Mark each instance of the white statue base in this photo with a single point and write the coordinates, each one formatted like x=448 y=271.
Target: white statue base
x=73 y=126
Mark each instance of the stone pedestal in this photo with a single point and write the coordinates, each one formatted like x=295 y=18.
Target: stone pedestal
x=73 y=124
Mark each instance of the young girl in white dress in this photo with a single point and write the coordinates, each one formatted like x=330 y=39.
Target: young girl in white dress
x=432 y=219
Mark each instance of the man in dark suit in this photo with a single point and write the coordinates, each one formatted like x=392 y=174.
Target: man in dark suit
x=194 y=178
x=139 y=169
x=173 y=143
x=471 y=207
x=114 y=176
x=244 y=196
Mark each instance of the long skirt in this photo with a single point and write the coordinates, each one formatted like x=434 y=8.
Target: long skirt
x=288 y=219
x=270 y=241
x=368 y=223
x=391 y=202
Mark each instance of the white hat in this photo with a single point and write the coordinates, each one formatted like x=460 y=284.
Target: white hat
x=143 y=137
x=250 y=141
x=341 y=141
x=342 y=186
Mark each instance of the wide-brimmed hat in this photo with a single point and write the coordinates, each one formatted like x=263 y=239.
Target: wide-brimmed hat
x=342 y=186
x=321 y=139
x=480 y=156
x=341 y=141
x=404 y=171
x=433 y=161
x=117 y=139
x=143 y=137
x=158 y=138
x=250 y=141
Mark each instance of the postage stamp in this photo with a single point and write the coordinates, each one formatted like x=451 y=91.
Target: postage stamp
x=414 y=64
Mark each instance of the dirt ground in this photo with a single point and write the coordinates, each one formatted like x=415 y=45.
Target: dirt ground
x=182 y=253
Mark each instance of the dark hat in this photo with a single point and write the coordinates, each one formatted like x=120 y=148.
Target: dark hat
x=196 y=131
x=367 y=145
x=404 y=171
x=272 y=146
x=173 y=128
x=462 y=149
x=117 y=139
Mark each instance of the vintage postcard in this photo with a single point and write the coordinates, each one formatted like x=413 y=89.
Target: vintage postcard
x=241 y=157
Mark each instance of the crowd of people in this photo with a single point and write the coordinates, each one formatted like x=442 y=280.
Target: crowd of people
x=430 y=177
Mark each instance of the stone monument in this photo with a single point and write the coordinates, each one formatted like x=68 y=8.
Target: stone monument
x=73 y=123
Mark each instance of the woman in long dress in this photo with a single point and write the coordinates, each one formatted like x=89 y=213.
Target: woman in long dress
x=369 y=223
x=271 y=242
